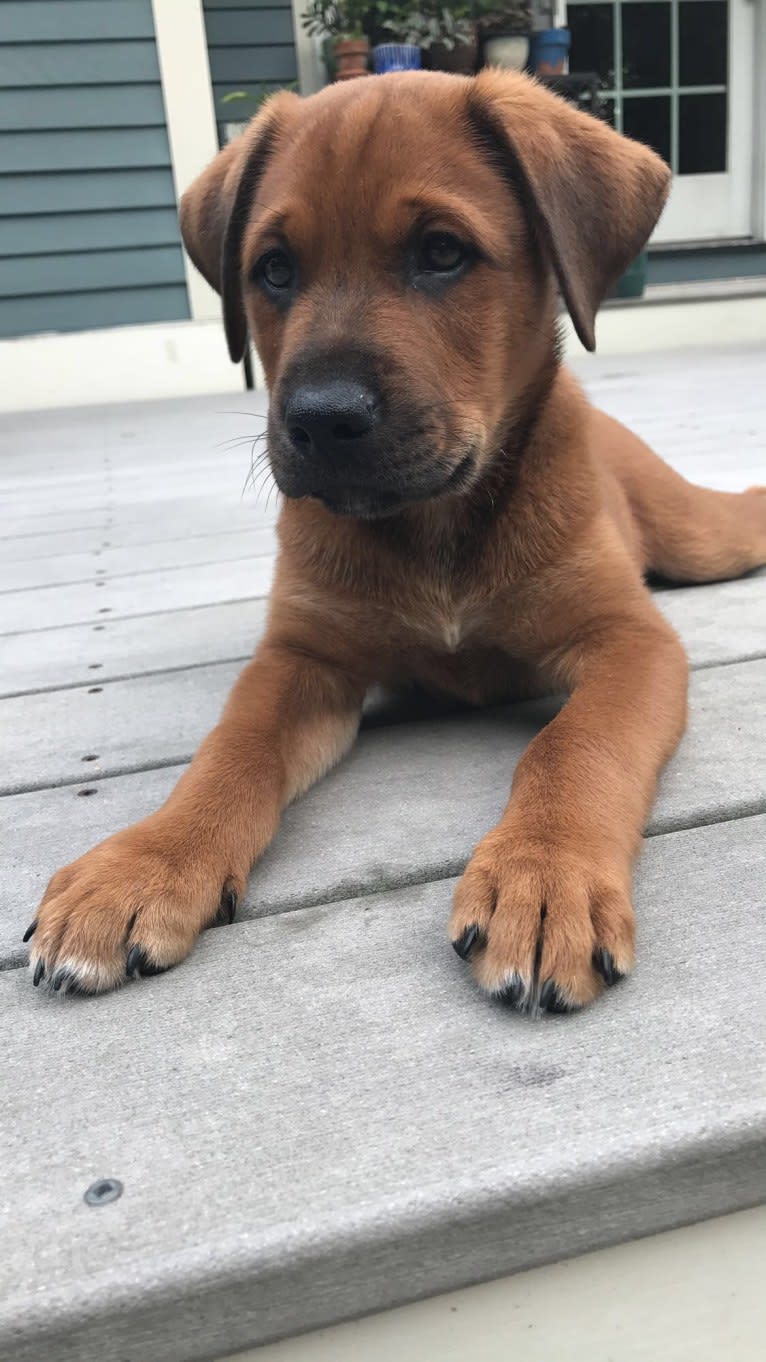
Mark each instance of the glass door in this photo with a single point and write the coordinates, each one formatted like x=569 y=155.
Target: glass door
x=678 y=74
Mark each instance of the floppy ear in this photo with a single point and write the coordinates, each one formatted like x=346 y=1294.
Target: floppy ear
x=214 y=213
x=592 y=196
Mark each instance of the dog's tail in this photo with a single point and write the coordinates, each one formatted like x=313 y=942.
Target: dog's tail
x=688 y=533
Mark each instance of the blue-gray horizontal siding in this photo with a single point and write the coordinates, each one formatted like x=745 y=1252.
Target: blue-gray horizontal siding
x=96 y=148
x=242 y=67
x=77 y=63
x=70 y=20
x=706 y=262
x=97 y=231
x=211 y=6
x=88 y=224
x=225 y=28
x=119 y=106
x=251 y=48
x=68 y=192
x=76 y=271
x=91 y=311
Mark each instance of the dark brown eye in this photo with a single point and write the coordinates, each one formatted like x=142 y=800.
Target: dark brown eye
x=441 y=253
x=276 y=269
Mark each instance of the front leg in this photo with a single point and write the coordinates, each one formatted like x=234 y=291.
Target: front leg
x=544 y=910
x=136 y=903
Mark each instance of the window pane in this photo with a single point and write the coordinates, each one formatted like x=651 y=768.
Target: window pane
x=703 y=38
x=648 y=120
x=608 y=112
x=645 y=45
x=702 y=134
x=592 y=29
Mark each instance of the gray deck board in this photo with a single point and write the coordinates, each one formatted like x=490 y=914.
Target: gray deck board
x=178 y=517
x=137 y=594
x=430 y=789
x=82 y=654
x=179 y=554
x=317 y=1115
x=722 y=623
x=23 y=548
x=177 y=708
x=313 y=1117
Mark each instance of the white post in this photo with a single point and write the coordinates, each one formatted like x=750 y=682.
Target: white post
x=311 y=72
x=179 y=27
x=759 y=125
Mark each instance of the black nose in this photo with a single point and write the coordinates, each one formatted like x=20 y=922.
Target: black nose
x=331 y=418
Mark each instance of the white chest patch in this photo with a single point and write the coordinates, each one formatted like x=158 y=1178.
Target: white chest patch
x=443 y=624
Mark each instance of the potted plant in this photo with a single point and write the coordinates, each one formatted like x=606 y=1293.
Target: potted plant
x=457 y=46
x=446 y=35
x=342 y=21
x=549 y=51
x=387 y=26
x=504 y=32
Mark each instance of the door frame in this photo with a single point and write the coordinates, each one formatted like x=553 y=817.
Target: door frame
x=719 y=207
x=730 y=205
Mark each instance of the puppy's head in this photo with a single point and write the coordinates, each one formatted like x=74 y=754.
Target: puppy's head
x=395 y=245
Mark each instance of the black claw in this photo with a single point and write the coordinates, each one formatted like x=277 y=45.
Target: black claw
x=551 y=1000
x=61 y=978
x=39 y=973
x=149 y=969
x=604 y=965
x=465 y=943
x=31 y=929
x=138 y=965
x=513 y=992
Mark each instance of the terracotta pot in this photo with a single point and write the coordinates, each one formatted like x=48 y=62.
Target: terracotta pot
x=351 y=55
x=462 y=59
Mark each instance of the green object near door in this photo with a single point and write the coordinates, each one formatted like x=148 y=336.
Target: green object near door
x=633 y=281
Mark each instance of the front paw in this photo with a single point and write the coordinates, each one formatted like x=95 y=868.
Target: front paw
x=545 y=927
x=133 y=906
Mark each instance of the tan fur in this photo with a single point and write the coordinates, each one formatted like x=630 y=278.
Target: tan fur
x=530 y=577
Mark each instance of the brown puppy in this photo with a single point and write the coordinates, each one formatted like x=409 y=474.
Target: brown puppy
x=456 y=514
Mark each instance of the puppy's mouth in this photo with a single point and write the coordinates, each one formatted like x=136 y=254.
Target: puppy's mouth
x=375 y=503
x=347 y=429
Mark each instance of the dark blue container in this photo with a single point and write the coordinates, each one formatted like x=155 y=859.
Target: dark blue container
x=395 y=57
x=549 y=50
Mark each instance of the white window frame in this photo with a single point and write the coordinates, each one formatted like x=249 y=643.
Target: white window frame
x=744 y=215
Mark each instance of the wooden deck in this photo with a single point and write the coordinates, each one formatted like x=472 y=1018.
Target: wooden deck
x=317 y=1116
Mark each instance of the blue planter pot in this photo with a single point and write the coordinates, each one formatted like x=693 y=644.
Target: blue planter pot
x=549 y=50
x=395 y=57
